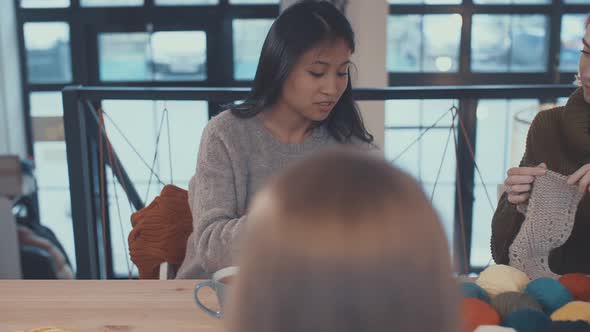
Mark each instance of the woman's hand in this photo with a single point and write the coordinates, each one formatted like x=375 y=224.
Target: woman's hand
x=519 y=182
x=581 y=177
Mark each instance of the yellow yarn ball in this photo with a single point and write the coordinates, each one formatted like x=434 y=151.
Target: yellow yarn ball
x=496 y=279
x=576 y=310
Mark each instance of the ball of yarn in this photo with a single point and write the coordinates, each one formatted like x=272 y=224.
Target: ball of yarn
x=576 y=310
x=476 y=312
x=527 y=320
x=578 y=284
x=470 y=289
x=508 y=302
x=494 y=328
x=496 y=279
x=561 y=326
x=550 y=294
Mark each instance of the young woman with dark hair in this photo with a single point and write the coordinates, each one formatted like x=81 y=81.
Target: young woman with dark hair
x=301 y=101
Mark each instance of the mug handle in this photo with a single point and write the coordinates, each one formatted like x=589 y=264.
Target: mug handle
x=199 y=286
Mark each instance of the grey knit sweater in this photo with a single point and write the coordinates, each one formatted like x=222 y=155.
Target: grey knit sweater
x=236 y=156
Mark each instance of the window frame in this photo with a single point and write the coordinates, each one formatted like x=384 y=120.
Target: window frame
x=86 y=23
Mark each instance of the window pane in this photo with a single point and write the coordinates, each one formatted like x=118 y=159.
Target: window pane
x=442 y=34
x=124 y=114
x=179 y=55
x=419 y=113
x=48 y=52
x=405 y=2
x=572 y=31
x=55 y=212
x=51 y=172
x=422 y=154
x=432 y=147
x=428 y=2
x=422 y=161
x=511 y=2
x=51 y=166
x=433 y=110
x=444 y=204
x=502 y=126
x=396 y=141
x=509 y=43
x=481 y=254
x=416 y=43
x=185 y=2
x=404 y=42
x=46 y=116
x=424 y=158
x=187 y=118
x=240 y=2
x=110 y=3
x=248 y=37
x=175 y=55
x=44 y=3
x=498 y=134
x=124 y=57
x=402 y=112
x=46 y=104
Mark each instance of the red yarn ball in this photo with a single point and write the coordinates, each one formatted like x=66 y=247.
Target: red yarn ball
x=578 y=284
x=475 y=312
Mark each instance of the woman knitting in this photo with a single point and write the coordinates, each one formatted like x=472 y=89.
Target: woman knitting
x=558 y=140
x=301 y=101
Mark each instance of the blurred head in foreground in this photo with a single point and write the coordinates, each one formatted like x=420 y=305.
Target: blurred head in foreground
x=343 y=242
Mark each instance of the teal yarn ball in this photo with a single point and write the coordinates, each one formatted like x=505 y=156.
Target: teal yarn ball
x=471 y=289
x=568 y=326
x=527 y=320
x=550 y=294
x=507 y=303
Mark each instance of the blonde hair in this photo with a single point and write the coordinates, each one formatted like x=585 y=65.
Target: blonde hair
x=343 y=242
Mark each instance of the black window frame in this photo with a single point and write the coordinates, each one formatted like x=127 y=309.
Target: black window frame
x=467 y=177
x=85 y=24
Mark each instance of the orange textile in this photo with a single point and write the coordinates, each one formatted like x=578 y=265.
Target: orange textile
x=475 y=312
x=578 y=284
x=160 y=232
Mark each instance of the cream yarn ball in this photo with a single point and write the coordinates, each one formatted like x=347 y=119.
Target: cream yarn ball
x=496 y=279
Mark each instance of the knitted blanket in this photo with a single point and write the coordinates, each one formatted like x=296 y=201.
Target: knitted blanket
x=548 y=224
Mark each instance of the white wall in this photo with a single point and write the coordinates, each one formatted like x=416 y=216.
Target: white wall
x=369 y=21
x=12 y=133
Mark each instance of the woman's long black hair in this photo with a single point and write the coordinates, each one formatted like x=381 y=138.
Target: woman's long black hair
x=298 y=29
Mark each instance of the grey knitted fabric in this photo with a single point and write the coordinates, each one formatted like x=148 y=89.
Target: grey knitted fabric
x=548 y=224
x=236 y=157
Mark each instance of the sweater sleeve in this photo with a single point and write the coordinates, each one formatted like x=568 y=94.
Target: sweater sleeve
x=507 y=219
x=214 y=208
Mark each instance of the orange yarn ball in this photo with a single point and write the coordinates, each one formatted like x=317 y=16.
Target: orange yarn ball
x=578 y=284
x=475 y=312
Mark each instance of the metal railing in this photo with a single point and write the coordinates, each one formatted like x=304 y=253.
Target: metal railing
x=83 y=138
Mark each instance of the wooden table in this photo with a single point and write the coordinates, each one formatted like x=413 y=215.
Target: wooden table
x=105 y=305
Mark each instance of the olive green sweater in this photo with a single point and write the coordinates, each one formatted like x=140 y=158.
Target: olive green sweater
x=559 y=137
